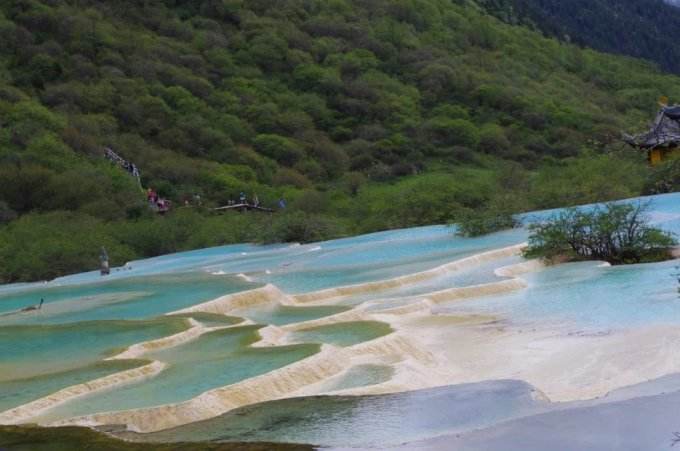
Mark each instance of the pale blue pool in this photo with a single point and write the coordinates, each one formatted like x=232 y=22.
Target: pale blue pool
x=87 y=318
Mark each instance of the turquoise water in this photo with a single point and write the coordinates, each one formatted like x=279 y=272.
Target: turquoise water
x=211 y=319
x=132 y=298
x=365 y=261
x=393 y=297
x=343 y=334
x=179 y=262
x=585 y=295
x=492 y=415
x=28 y=351
x=286 y=314
x=87 y=318
x=216 y=359
x=20 y=391
x=360 y=376
x=382 y=421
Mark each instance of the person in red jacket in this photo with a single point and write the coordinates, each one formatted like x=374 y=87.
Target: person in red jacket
x=151 y=196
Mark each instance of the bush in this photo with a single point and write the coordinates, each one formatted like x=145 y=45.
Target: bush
x=284 y=150
x=616 y=233
x=300 y=227
x=159 y=234
x=290 y=177
x=587 y=179
x=665 y=177
x=492 y=140
x=452 y=132
x=6 y=213
x=421 y=200
x=228 y=228
x=481 y=222
x=353 y=182
x=39 y=247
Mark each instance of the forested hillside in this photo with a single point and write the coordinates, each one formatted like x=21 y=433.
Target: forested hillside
x=640 y=28
x=362 y=115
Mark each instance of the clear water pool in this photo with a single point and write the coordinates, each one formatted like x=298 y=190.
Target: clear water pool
x=87 y=318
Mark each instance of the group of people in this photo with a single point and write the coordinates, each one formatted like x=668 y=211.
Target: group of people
x=244 y=203
x=243 y=200
x=161 y=205
x=156 y=202
x=195 y=201
x=120 y=161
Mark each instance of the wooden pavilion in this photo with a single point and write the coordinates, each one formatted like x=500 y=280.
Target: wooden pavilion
x=663 y=138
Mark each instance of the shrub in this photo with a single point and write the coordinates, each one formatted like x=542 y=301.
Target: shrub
x=284 y=150
x=300 y=227
x=587 y=179
x=616 y=233
x=452 y=132
x=291 y=177
x=39 y=247
x=6 y=213
x=481 y=222
x=492 y=140
x=664 y=178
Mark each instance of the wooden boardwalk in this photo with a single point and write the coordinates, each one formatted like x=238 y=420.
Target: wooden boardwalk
x=243 y=207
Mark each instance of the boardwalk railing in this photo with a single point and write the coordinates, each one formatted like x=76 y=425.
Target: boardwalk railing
x=243 y=206
x=130 y=167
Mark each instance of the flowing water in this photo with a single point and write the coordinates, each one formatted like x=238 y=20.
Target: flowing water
x=591 y=297
x=300 y=334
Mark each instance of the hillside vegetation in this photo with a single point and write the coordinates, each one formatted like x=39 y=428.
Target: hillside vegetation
x=362 y=115
x=640 y=28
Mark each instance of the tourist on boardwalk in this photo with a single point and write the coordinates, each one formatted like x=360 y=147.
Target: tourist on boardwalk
x=256 y=200
x=242 y=197
x=151 y=196
x=282 y=203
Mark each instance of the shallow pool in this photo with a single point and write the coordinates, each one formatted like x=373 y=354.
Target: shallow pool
x=87 y=318
x=342 y=334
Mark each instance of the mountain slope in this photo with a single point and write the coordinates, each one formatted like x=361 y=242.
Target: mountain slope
x=639 y=28
x=363 y=115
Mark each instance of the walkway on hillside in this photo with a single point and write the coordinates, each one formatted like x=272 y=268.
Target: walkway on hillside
x=130 y=167
x=243 y=207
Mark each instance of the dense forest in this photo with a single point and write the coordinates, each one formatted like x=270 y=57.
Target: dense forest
x=362 y=114
x=640 y=28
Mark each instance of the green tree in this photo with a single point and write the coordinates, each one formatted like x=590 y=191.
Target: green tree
x=40 y=247
x=282 y=149
x=585 y=179
x=616 y=233
x=451 y=132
